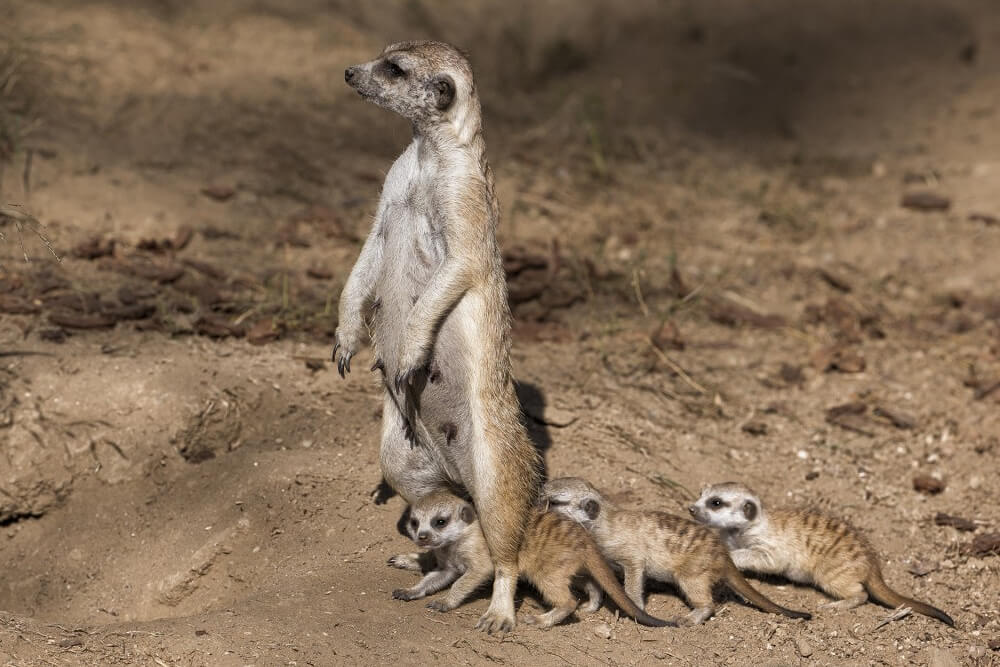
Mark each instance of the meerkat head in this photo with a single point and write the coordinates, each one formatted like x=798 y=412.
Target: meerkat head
x=730 y=506
x=574 y=498
x=426 y=82
x=439 y=519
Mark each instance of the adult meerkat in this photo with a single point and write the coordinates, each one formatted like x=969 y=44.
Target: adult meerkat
x=657 y=545
x=553 y=552
x=430 y=274
x=804 y=546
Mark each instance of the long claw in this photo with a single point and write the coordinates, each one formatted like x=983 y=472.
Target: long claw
x=333 y=356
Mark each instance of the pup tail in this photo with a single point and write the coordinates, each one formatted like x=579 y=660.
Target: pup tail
x=736 y=581
x=600 y=571
x=880 y=590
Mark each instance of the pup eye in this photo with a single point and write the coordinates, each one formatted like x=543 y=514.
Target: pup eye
x=555 y=502
x=440 y=523
x=715 y=502
x=395 y=71
x=414 y=523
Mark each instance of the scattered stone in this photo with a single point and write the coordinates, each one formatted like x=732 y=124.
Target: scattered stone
x=603 y=630
x=957 y=522
x=200 y=633
x=850 y=416
x=791 y=374
x=835 y=279
x=921 y=568
x=987 y=544
x=928 y=485
x=15 y=305
x=218 y=192
x=263 y=332
x=755 y=427
x=731 y=314
x=898 y=419
x=315 y=364
x=994 y=644
x=93 y=248
x=668 y=337
x=216 y=327
x=53 y=335
x=75 y=320
x=925 y=200
x=985 y=218
x=811 y=475
x=70 y=642
x=804 y=648
x=319 y=273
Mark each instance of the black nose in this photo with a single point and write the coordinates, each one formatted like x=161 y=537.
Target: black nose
x=423 y=536
x=349 y=73
x=692 y=509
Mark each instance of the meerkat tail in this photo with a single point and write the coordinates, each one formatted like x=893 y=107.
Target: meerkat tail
x=738 y=583
x=600 y=571
x=880 y=590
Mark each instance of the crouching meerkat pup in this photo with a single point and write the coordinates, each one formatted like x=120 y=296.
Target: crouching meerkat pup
x=807 y=547
x=657 y=545
x=553 y=552
x=430 y=277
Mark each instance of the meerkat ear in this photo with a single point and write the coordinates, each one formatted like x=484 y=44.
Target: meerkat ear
x=750 y=510
x=467 y=514
x=592 y=508
x=443 y=88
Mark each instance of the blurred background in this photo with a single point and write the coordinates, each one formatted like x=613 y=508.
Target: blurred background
x=752 y=240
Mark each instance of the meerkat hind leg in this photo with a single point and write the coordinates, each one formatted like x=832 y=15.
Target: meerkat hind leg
x=558 y=594
x=594 y=597
x=698 y=592
x=852 y=596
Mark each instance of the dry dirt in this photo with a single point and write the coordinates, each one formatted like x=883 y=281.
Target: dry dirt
x=707 y=247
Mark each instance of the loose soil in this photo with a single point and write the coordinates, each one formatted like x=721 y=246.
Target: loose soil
x=753 y=241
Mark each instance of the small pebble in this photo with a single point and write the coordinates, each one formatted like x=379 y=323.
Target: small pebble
x=804 y=648
x=603 y=630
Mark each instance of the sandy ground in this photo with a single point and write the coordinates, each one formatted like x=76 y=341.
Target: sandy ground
x=707 y=246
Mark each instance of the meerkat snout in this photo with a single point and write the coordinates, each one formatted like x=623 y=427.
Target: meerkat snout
x=349 y=73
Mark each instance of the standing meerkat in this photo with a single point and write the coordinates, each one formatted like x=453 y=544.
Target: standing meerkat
x=431 y=276
x=807 y=547
x=554 y=551
x=657 y=545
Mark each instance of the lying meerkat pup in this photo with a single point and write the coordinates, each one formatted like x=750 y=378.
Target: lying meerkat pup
x=806 y=547
x=661 y=546
x=430 y=278
x=553 y=551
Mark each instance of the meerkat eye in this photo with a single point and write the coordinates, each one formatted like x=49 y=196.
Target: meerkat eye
x=414 y=524
x=715 y=502
x=440 y=522
x=394 y=70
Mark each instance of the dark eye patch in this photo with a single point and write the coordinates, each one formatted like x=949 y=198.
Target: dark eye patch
x=393 y=70
x=717 y=503
x=441 y=522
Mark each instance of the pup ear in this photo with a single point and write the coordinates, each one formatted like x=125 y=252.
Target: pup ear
x=592 y=508
x=750 y=510
x=403 y=525
x=443 y=88
x=467 y=513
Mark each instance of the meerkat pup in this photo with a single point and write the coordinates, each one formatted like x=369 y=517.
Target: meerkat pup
x=657 y=545
x=431 y=279
x=554 y=551
x=807 y=547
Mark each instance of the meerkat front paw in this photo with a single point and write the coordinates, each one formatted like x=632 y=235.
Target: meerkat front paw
x=412 y=360
x=441 y=605
x=406 y=562
x=406 y=594
x=347 y=345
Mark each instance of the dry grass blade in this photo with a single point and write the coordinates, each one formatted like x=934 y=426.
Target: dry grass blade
x=13 y=214
x=898 y=615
